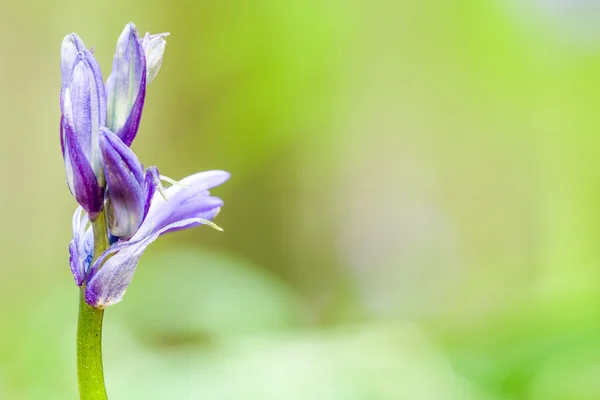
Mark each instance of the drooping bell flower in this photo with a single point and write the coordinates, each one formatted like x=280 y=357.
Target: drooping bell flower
x=129 y=188
x=83 y=112
x=126 y=86
x=187 y=204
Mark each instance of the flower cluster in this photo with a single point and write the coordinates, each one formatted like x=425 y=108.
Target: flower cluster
x=98 y=124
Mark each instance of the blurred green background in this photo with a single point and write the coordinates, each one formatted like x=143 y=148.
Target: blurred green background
x=413 y=211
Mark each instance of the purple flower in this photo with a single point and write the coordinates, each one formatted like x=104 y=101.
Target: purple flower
x=129 y=189
x=83 y=112
x=187 y=204
x=98 y=124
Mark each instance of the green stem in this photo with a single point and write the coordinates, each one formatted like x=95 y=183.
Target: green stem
x=89 y=331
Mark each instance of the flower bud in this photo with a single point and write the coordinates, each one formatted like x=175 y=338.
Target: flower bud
x=83 y=108
x=126 y=86
x=129 y=189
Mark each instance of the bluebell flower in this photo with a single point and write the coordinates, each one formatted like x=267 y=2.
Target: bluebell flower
x=184 y=205
x=123 y=206
x=98 y=125
x=83 y=112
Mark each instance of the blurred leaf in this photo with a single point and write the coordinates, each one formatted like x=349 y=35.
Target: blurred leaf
x=38 y=345
x=188 y=295
x=572 y=376
x=378 y=361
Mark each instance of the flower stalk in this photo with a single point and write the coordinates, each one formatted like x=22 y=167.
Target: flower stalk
x=90 y=375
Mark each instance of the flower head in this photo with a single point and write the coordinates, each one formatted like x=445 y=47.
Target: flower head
x=98 y=125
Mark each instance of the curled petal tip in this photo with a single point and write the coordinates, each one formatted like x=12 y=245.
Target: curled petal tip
x=188 y=200
x=154 y=49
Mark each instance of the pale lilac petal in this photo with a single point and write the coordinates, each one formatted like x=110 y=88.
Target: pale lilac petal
x=82 y=106
x=109 y=277
x=188 y=199
x=71 y=46
x=81 y=247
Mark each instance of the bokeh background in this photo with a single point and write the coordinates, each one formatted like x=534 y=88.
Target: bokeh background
x=413 y=211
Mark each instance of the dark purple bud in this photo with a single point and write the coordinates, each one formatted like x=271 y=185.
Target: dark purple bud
x=83 y=108
x=129 y=190
x=83 y=99
x=126 y=86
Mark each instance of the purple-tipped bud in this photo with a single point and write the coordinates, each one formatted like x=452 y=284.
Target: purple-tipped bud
x=126 y=86
x=154 y=49
x=83 y=108
x=129 y=188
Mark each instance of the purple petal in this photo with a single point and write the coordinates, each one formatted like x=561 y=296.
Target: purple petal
x=109 y=277
x=72 y=45
x=126 y=86
x=80 y=175
x=126 y=186
x=152 y=182
x=84 y=107
x=62 y=136
x=81 y=247
x=189 y=199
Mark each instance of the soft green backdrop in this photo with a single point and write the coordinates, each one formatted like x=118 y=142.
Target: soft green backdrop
x=413 y=212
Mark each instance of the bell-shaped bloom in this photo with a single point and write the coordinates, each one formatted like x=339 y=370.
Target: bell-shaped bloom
x=129 y=189
x=126 y=86
x=187 y=204
x=154 y=49
x=83 y=112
